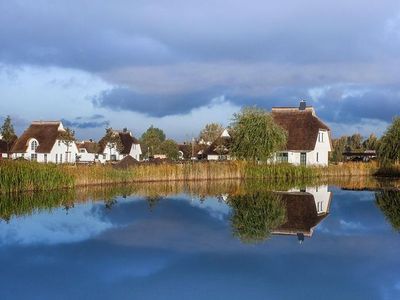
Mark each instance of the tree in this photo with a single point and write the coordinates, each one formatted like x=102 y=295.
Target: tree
x=339 y=146
x=67 y=137
x=354 y=142
x=389 y=149
x=255 y=135
x=389 y=203
x=111 y=140
x=151 y=141
x=211 y=132
x=372 y=143
x=256 y=214
x=8 y=133
x=170 y=149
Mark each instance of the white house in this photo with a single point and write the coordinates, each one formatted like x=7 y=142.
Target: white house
x=89 y=152
x=130 y=146
x=305 y=209
x=220 y=148
x=309 y=139
x=41 y=142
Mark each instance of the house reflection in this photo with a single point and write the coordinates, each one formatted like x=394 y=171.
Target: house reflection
x=305 y=209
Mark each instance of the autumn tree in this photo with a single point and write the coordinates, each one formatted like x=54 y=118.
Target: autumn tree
x=8 y=133
x=255 y=135
x=211 y=132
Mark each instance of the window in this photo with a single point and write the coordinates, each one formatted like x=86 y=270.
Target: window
x=33 y=157
x=113 y=157
x=45 y=158
x=320 y=207
x=321 y=137
x=317 y=157
x=282 y=157
x=60 y=158
x=59 y=143
x=56 y=158
x=303 y=158
x=34 y=145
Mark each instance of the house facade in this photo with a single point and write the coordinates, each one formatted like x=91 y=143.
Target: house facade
x=220 y=148
x=309 y=139
x=89 y=152
x=41 y=142
x=129 y=145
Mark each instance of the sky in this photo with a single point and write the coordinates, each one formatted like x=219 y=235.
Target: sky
x=180 y=64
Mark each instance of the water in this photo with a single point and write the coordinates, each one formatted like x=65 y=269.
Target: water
x=227 y=241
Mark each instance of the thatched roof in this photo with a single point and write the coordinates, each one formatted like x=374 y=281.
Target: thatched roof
x=127 y=140
x=302 y=127
x=91 y=147
x=46 y=133
x=220 y=146
x=126 y=162
x=301 y=213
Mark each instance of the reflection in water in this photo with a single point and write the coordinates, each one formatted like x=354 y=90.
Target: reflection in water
x=256 y=211
x=254 y=215
x=389 y=203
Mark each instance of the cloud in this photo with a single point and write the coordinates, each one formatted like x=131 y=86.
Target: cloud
x=94 y=121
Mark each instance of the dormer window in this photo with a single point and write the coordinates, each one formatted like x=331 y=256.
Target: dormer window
x=34 y=145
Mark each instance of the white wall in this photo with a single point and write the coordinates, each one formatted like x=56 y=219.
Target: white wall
x=322 y=197
x=136 y=151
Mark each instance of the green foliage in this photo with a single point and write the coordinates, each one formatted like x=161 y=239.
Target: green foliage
x=255 y=135
x=211 y=132
x=256 y=214
x=8 y=133
x=371 y=143
x=389 y=149
x=151 y=141
x=389 y=203
x=339 y=146
x=170 y=149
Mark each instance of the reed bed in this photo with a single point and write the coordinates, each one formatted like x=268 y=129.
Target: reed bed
x=30 y=176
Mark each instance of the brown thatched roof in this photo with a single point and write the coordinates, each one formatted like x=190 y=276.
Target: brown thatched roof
x=127 y=140
x=301 y=213
x=302 y=127
x=91 y=147
x=46 y=133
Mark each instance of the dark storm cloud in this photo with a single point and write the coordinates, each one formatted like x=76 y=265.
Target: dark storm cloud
x=95 y=121
x=105 y=35
x=154 y=105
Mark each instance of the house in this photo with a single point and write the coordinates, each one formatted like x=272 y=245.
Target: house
x=89 y=152
x=123 y=144
x=41 y=142
x=309 y=139
x=220 y=148
x=305 y=209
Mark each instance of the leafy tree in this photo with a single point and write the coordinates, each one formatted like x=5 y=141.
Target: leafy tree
x=8 y=133
x=255 y=135
x=339 y=146
x=256 y=214
x=111 y=140
x=371 y=143
x=354 y=142
x=170 y=149
x=151 y=141
x=389 y=149
x=389 y=203
x=67 y=137
x=211 y=132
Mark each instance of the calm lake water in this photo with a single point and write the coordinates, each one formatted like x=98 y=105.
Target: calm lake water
x=226 y=241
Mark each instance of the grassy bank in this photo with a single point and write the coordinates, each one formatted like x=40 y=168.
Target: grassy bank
x=18 y=176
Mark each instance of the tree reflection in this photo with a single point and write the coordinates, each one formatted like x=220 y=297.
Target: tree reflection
x=256 y=214
x=389 y=203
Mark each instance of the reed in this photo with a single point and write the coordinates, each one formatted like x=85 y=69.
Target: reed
x=30 y=176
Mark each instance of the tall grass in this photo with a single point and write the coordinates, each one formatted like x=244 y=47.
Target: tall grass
x=30 y=176
x=19 y=176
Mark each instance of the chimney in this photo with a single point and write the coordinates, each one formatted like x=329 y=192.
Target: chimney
x=303 y=105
